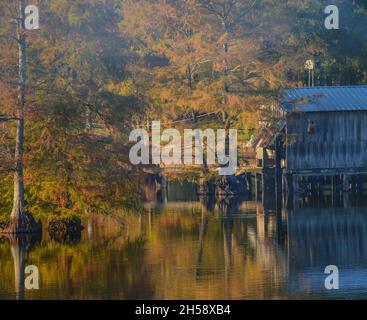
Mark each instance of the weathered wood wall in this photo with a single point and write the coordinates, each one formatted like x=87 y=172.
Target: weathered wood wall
x=327 y=140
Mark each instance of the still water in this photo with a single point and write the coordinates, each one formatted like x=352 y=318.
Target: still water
x=187 y=248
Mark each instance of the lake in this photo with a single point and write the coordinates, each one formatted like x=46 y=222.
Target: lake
x=189 y=248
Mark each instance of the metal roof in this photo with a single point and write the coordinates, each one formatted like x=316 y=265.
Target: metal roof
x=325 y=99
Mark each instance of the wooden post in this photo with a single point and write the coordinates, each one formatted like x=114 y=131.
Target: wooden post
x=346 y=189
x=278 y=173
x=313 y=186
x=268 y=192
x=346 y=183
x=279 y=187
x=338 y=189
x=249 y=183
x=164 y=188
x=263 y=186
x=295 y=184
x=290 y=193
x=319 y=189
x=284 y=189
x=335 y=190
x=333 y=200
x=257 y=186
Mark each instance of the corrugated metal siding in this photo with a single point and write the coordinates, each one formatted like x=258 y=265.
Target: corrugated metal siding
x=339 y=141
x=326 y=99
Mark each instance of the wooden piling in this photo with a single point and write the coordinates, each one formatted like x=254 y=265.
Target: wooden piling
x=346 y=183
x=295 y=186
x=278 y=173
x=258 y=186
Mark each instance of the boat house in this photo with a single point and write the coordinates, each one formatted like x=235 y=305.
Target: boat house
x=325 y=132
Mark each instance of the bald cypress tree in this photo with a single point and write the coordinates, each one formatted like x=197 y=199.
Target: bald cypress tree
x=20 y=220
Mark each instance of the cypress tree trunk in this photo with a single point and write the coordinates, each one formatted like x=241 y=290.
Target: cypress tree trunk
x=20 y=222
x=18 y=204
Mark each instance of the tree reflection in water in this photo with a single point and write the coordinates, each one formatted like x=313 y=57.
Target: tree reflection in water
x=20 y=247
x=227 y=248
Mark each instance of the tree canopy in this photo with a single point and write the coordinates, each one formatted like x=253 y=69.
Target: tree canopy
x=99 y=68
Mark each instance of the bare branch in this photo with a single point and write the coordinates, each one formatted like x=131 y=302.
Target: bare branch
x=8 y=118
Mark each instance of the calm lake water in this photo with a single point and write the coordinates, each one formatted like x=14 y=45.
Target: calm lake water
x=184 y=248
